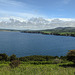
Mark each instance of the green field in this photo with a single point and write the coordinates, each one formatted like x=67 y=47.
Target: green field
x=32 y=69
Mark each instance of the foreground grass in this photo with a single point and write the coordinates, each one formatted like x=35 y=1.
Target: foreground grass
x=31 y=69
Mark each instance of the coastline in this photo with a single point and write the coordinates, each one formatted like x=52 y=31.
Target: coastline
x=41 y=32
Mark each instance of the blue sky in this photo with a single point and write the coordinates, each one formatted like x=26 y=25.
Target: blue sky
x=38 y=8
x=37 y=14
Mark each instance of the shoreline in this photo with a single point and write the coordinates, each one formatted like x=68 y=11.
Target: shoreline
x=72 y=34
x=40 y=32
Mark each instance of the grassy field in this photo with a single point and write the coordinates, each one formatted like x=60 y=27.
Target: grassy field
x=32 y=69
x=59 y=32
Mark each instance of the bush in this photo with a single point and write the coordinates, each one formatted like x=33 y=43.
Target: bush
x=3 y=57
x=14 y=63
x=71 y=55
x=13 y=57
x=56 y=61
x=63 y=57
x=23 y=59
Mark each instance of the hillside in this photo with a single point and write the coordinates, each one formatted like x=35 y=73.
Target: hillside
x=62 y=29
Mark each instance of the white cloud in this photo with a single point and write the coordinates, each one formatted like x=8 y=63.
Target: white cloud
x=11 y=3
x=19 y=14
x=63 y=19
x=12 y=17
x=35 y=23
x=18 y=9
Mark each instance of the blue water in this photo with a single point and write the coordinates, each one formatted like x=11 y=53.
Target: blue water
x=25 y=44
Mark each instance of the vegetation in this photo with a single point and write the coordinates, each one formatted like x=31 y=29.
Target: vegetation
x=4 y=57
x=71 y=56
x=32 y=69
x=63 y=31
x=14 y=63
x=38 y=65
x=12 y=57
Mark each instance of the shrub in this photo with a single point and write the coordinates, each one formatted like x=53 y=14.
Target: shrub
x=14 y=63
x=13 y=57
x=71 y=55
x=56 y=61
x=23 y=59
x=3 y=57
x=63 y=57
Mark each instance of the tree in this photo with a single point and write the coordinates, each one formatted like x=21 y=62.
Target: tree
x=3 y=57
x=13 y=57
x=71 y=55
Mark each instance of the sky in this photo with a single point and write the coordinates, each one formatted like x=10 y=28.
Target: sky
x=44 y=11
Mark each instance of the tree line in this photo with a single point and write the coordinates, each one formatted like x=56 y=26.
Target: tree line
x=70 y=57
x=5 y=57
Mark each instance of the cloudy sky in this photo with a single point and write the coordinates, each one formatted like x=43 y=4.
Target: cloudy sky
x=37 y=14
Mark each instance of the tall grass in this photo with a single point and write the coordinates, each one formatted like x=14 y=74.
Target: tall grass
x=31 y=69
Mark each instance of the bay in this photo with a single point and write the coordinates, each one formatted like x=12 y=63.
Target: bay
x=26 y=44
